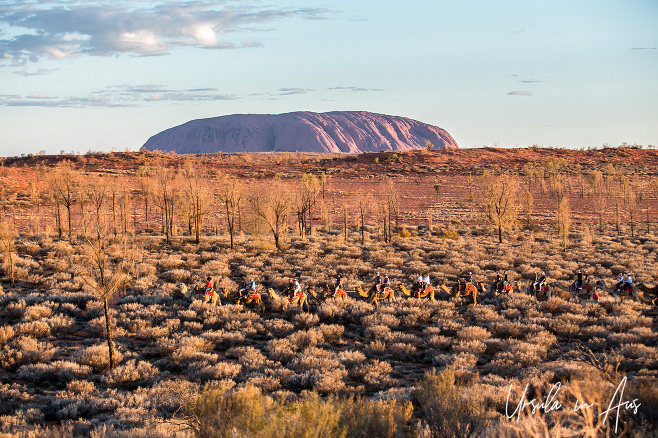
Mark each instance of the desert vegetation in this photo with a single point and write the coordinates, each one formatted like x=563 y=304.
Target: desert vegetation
x=96 y=336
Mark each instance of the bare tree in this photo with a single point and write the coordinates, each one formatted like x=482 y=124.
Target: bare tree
x=165 y=196
x=231 y=193
x=564 y=221
x=630 y=202
x=8 y=246
x=393 y=204
x=146 y=191
x=597 y=183
x=108 y=270
x=96 y=192
x=527 y=206
x=310 y=188
x=197 y=195
x=272 y=206
x=363 y=204
x=63 y=184
x=497 y=198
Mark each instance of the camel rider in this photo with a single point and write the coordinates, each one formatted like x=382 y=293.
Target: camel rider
x=377 y=282
x=338 y=285
x=542 y=281
x=505 y=280
x=426 y=282
x=386 y=283
x=578 y=284
x=498 y=281
x=469 y=277
x=629 y=282
x=290 y=289
x=419 y=283
x=210 y=286
x=251 y=287
x=242 y=291
x=297 y=288
x=620 y=282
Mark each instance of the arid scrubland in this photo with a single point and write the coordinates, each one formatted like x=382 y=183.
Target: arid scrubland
x=413 y=367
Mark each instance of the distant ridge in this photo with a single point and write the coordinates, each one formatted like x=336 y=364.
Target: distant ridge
x=335 y=132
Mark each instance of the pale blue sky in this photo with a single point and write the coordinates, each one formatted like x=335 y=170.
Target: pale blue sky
x=79 y=76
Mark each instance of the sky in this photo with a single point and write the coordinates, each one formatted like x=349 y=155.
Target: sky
x=80 y=76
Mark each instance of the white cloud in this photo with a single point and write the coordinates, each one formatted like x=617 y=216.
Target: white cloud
x=519 y=93
x=117 y=96
x=62 y=29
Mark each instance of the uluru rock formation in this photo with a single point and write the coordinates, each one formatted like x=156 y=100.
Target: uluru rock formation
x=337 y=132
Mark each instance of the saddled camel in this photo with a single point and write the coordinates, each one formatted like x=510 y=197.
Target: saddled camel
x=584 y=293
x=561 y=293
x=469 y=289
x=199 y=293
x=544 y=294
x=414 y=292
x=649 y=293
x=299 y=299
x=387 y=294
x=615 y=292
x=328 y=294
x=502 y=288
x=253 y=297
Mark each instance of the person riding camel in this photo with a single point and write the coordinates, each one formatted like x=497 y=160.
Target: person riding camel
x=419 y=283
x=210 y=287
x=386 y=283
x=540 y=279
x=426 y=282
x=290 y=289
x=377 y=282
x=297 y=288
x=242 y=291
x=578 y=284
x=338 y=285
x=498 y=281
x=251 y=287
x=629 y=282
x=620 y=282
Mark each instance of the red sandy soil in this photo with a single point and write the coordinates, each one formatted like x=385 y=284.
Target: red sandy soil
x=414 y=175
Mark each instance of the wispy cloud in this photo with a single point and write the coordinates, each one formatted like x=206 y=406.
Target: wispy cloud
x=39 y=72
x=290 y=91
x=519 y=93
x=117 y=96
x=354 y=89
x=63 y=29
x=528 y=81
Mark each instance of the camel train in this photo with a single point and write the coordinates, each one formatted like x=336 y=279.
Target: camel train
x=468 y=290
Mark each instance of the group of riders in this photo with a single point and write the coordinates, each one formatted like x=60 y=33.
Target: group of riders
x=422 y=283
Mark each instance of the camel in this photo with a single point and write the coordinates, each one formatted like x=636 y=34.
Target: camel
x=387 y=294
x=504 y=288
x=544 y=294
x=561 y=293
x=429 y=292
x=621 y=294
x=246 y=299
x=328 y=293
x=649 y=293
x=277 y=302
x=584 y=293
x=300 y=299
x=469 y=289
x=200 y=293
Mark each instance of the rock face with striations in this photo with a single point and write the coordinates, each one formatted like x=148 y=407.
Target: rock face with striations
x=338 y=132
